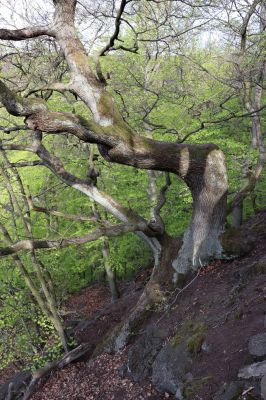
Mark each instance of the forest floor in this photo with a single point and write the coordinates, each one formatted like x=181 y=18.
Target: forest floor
x=228 y=297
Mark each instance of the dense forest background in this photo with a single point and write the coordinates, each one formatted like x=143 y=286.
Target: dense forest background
x=194 y=77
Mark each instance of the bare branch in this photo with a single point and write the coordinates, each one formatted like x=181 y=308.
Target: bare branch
x=9 y=129
x=162 y=198
x=72 y=217
x=113 y=38
x=108 y=231
x=17 y=105
x=73 y=355
x=56 y=86
x=117 y=29
x=23 y=164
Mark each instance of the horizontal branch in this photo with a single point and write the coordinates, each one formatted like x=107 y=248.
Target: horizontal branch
x=18 y=147
x=108 y=231
x=9 y=129
x=56 y=86
x=17 y=105
x=25 y=33
x=23 y=164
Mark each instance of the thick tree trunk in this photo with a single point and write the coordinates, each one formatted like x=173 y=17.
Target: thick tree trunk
x=209 y=190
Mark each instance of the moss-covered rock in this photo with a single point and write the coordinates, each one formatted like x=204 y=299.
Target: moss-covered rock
x=193 y=334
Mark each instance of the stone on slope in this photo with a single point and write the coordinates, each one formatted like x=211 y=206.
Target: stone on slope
x=256 y=370
x=257 y=345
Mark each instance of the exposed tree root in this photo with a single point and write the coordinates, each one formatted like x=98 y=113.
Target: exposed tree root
x=153 y=293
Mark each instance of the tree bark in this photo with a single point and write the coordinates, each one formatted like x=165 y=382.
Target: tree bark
x=209 y=192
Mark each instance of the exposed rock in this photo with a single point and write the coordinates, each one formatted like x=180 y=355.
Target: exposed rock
x=143 y=353
x=115 y=340
x=263 y=387
x=254 y=370
x=170 y=367
x=231 y=391
x=206 y=347
x=18 y=383
x=265 y=321
x=257 y=345
x=193 y=333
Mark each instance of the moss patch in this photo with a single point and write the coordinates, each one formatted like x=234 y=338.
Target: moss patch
x=193 y=333
x=194 y=343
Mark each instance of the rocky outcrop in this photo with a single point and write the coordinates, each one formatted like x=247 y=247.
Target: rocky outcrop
x=255 y=370
x=170 y=367
x=143 y=353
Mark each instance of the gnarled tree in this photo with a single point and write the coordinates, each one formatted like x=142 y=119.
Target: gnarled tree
x=202 y=167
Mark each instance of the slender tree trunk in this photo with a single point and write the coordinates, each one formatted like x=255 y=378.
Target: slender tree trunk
x=51 y=303
x=110 y=274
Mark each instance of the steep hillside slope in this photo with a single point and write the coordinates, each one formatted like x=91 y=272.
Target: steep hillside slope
x=191 y=347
